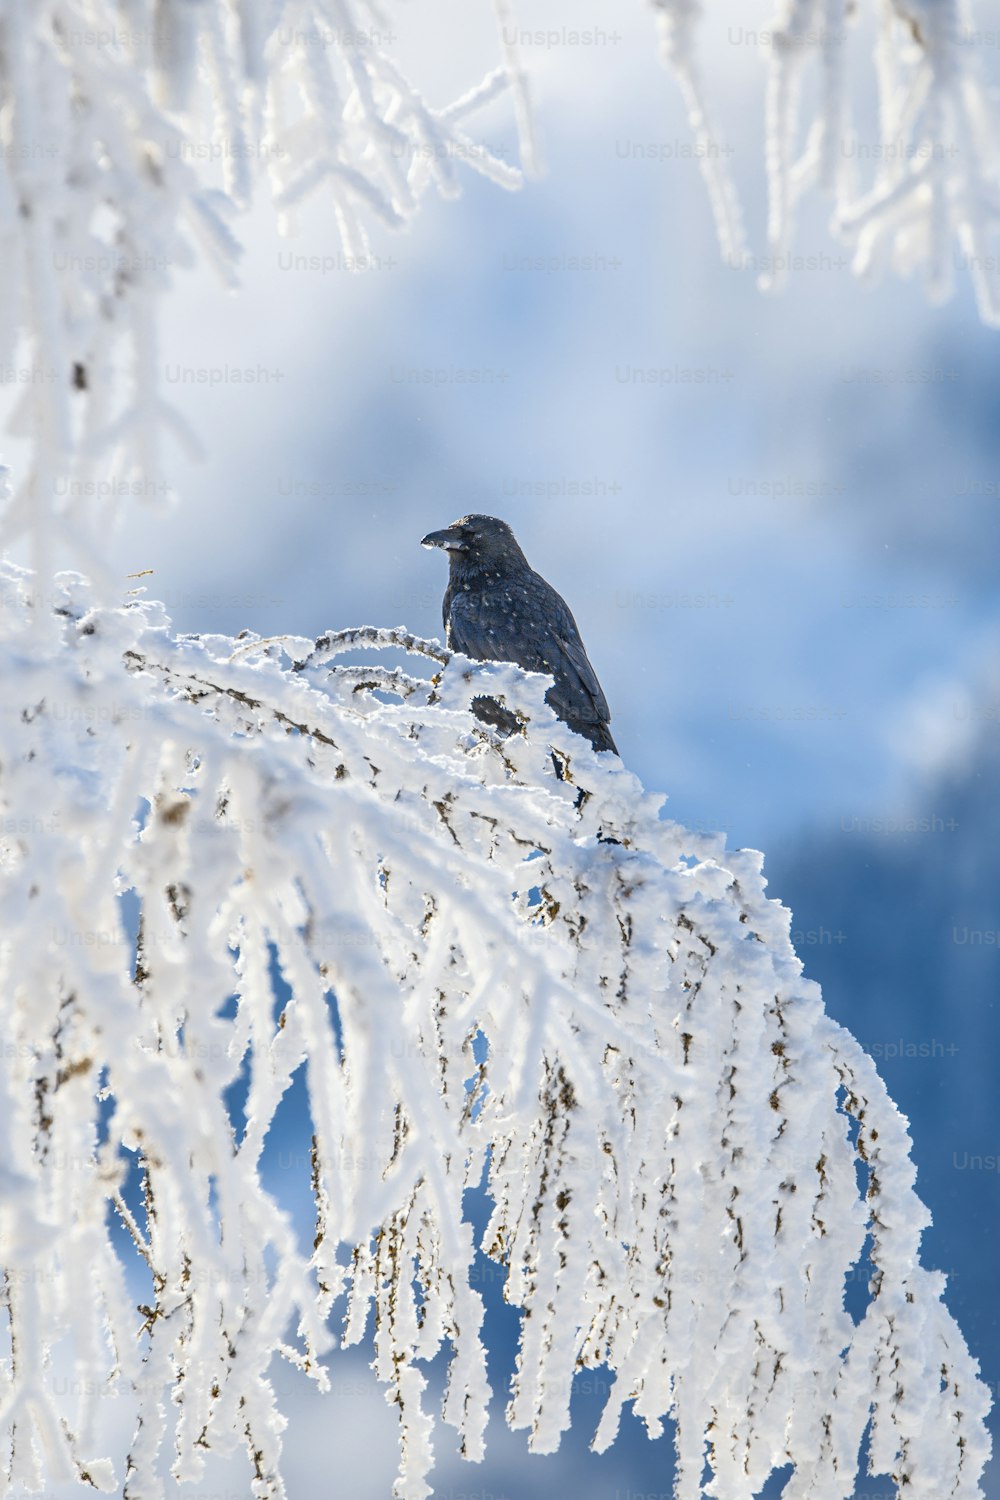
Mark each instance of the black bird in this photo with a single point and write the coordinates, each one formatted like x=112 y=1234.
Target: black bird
x=497 y=608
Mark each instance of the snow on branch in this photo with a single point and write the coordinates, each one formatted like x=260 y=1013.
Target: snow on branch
x=933 y=199
x=253 y=863
x=130 y=136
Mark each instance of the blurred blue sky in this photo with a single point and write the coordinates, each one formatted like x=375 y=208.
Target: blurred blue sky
x=784 y=566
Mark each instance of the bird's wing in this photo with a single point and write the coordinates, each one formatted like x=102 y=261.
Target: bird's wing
x=527 y=622
x=554 y=645
x=589 y=689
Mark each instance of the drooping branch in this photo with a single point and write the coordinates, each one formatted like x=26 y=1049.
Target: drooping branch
x=937 y=156
x=339 y=875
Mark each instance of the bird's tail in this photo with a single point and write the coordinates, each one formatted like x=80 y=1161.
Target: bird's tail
x=599 y=735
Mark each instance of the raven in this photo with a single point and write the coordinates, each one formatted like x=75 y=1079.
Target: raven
x=497 y=608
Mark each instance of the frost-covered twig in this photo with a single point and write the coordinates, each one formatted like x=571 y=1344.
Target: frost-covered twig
x=678 y=20
x=939 y=185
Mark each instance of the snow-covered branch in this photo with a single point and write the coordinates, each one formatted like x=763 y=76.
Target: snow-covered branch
x=240 y=864
x=932 y=198
x=130 y=137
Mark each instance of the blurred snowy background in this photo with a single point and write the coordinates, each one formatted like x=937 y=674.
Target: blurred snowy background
x=781 y=547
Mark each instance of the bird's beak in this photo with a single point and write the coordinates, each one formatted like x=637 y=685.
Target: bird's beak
x=449 y=539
